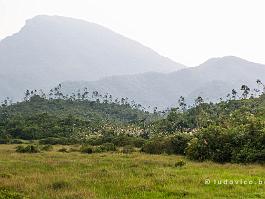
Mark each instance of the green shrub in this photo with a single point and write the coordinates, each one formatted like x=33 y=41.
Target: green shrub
x=86 y=149
x=197 y=150
x=16 y=141
x=180 y=163
x=248 y=155
x=98 y=149
x=123 y=140
x=241 y=144
x=27 y=149
x=60 y=185
x=63 y=150
x=175 y=144
x=117 y=140
x=108 y=147
x=157 y=146
x=179 y=142
x=4 y=141
x=211 y=143
x=58 y=141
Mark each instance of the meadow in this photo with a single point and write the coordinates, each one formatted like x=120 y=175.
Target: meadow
x=115 y=175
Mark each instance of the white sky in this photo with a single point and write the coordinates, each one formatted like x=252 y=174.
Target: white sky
x=187 y=31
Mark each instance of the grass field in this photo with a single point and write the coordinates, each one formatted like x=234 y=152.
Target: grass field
x=115 y=175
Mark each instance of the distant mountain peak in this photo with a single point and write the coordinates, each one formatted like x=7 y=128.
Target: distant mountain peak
x=52 y=49
x=226 y=61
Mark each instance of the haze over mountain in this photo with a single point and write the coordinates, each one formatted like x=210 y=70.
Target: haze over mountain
x=52 y=49
x=213 y=79
x=49 y=50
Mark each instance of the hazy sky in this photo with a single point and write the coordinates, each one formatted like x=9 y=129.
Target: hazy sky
x=187 y=31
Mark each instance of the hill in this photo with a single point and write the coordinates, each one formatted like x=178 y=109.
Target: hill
x=211 y=80
x=41 y=118
x=52 y=49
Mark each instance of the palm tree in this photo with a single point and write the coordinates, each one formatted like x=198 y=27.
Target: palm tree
x=259 y=82
x=27 y=94
x=245 y=90
x=182 y=103
x=198 y=101
x=234 y=94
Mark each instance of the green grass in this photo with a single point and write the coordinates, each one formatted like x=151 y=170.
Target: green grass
x=115 y=175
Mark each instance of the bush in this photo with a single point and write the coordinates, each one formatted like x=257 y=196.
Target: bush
x=86 y=149
x=212 y=143
x=108 y=147
x=27 y=149
x=241 y=144
x=4 y=141
x=180 y=142
x=180 y=163
x=197 y=150
x=59 y=141
x=60 y=185
x=157 y=146
x=16 y=141
x=175 y=144
x=247 y=155
x=122 y=140
x=64 y=150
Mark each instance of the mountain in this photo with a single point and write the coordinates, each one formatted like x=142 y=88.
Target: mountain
x=212 y=80
x=52 y=49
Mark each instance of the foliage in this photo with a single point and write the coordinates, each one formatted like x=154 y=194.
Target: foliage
x=180 y=163
x=86 y=149
x=244 y=143
x=39 y=118
x=27 y=149
x=7 y=194
x=228 y=131
x=174 y=144
x=60 y=185
x=63 y=149
x=107 y=147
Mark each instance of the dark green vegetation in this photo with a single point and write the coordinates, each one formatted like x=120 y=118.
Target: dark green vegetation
x=229 y=131
x=59 y=121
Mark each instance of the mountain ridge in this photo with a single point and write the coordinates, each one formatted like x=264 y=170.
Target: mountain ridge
x=51 y=49
x=163 y=90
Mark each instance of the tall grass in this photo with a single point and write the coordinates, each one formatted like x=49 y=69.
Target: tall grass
x=52 y=174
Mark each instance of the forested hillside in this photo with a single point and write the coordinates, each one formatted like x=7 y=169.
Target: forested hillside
x=38 y=118
x=230 y=131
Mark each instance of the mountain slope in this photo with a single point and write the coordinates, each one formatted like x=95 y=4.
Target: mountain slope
x=51 y=49
x=213 y=79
